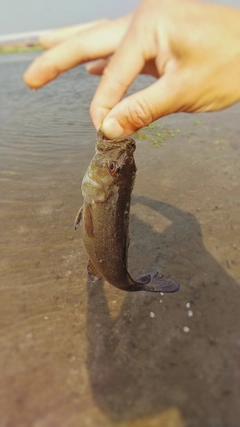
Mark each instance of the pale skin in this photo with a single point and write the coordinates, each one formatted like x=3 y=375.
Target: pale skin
x=191 y=48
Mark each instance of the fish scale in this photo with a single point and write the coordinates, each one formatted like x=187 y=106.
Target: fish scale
x=104 y=217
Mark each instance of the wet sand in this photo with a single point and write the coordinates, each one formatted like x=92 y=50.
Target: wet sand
x=79 y=354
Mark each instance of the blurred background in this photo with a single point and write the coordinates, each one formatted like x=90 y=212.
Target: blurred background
x=22 y=20
x=75 y=354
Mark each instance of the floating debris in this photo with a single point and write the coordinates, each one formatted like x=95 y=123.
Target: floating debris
x=190 y=313
x=160 y=300
x=152 y=314
x=188 y=305
x=156 y=134
x=186 y=329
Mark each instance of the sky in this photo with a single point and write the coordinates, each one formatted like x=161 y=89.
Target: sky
x=31 y=15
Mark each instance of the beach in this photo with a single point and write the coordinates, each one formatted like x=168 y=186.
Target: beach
x=79 y=354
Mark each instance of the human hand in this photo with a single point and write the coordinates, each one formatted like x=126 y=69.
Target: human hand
x=192 y=48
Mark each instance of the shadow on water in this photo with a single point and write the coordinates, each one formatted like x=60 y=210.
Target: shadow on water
x=141 y=366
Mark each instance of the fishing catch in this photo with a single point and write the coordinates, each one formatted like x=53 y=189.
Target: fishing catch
x=104 y=217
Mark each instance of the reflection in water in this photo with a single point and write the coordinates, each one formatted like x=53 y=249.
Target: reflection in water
x=140 y=365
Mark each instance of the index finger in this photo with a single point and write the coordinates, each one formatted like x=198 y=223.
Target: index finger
x=92 y=43
x=120 y=72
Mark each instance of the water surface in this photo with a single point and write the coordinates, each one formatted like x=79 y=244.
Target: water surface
x=75 y=354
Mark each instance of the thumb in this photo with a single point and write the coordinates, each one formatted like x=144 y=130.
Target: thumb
x=167 y=95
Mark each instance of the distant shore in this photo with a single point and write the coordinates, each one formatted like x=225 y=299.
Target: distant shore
x=19 y=49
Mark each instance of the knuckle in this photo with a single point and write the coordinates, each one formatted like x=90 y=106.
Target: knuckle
x=114 y=80
x=140 y=114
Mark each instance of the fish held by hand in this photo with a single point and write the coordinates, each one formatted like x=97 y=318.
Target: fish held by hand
x=107 y=187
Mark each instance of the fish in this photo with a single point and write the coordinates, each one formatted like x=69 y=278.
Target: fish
x=104 y=217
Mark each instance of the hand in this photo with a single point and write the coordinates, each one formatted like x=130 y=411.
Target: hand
x=192 y=48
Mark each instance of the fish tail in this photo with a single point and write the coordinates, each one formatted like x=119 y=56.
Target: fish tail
x=151 y=282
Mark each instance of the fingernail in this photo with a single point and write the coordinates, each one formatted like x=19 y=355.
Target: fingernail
x=112 y=129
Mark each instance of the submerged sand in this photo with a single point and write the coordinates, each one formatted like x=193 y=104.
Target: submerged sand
x=80 y=354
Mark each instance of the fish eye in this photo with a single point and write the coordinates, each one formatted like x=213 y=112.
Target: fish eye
x=112 y=168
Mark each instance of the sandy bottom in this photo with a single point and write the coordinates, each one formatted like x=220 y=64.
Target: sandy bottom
x=80 y=354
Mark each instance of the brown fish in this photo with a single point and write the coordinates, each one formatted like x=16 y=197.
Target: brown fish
x=104 y=216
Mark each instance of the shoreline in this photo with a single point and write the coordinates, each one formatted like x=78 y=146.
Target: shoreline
x=20 y=49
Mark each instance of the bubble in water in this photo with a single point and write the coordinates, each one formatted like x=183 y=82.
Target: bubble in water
x=190 y=313
x=152 y=314
x=186 y=329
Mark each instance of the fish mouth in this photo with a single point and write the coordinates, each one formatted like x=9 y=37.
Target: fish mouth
x=88 y=179
x=100 y=135
x=104 y=144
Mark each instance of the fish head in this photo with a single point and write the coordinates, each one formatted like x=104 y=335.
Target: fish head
x=112 y=166
x=114 y=160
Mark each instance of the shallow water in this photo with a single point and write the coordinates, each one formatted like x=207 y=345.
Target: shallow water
x=74 y=354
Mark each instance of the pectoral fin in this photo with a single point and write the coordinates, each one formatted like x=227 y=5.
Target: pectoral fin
x=78 y=218
x=88 y=222
x=93 y=274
